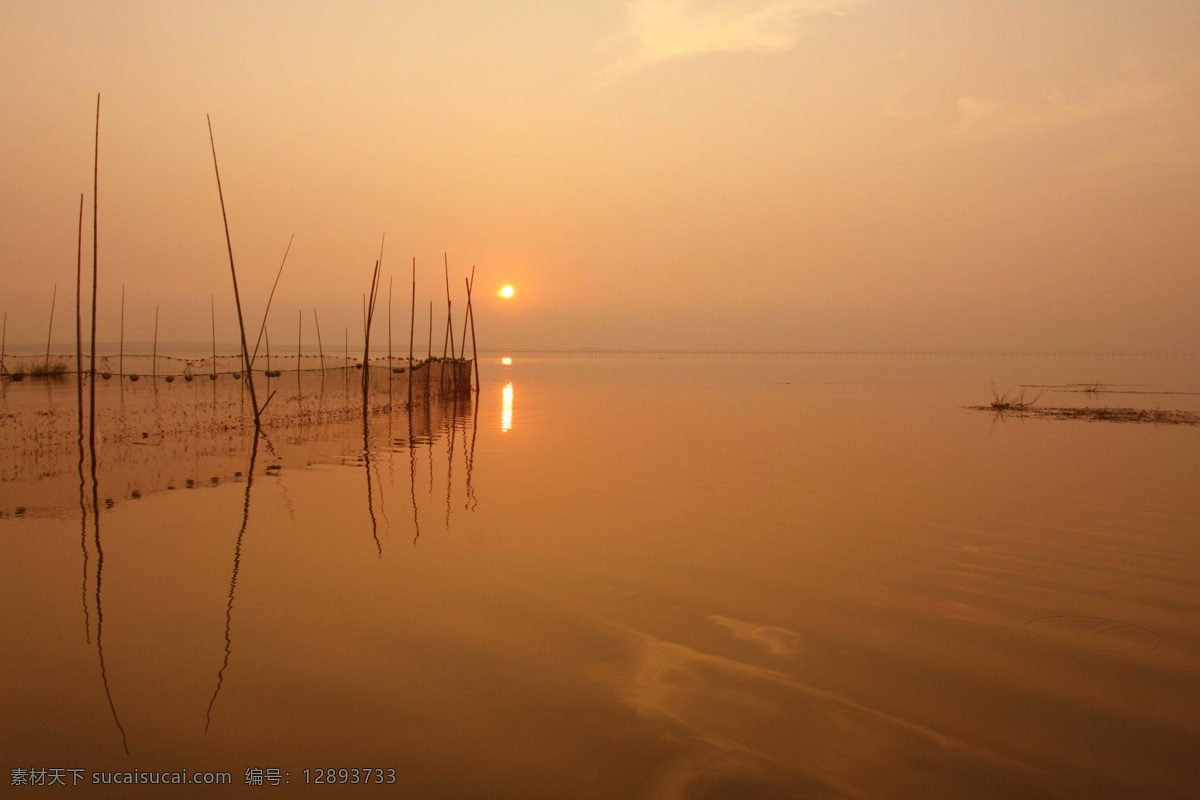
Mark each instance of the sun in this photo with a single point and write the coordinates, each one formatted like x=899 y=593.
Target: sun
x=507 y=291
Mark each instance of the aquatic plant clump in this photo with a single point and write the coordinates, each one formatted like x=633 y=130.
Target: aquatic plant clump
x=1006 y=404
x=1153 y=416
x=55 y=368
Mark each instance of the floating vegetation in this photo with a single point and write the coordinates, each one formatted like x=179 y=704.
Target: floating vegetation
x=1103 y=388
x=1006 y=402
x=48 y=369
x=1154 y=416
x=1005 y=405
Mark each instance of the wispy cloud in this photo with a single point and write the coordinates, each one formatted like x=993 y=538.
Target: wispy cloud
x=989 y=118
x=661 y=30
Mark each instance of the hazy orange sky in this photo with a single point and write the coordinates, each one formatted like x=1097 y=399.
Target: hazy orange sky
x=654 y=173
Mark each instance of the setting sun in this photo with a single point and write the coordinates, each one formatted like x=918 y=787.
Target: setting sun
x=507 y=291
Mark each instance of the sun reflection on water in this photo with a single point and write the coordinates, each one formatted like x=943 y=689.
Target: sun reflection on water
x=506 y=411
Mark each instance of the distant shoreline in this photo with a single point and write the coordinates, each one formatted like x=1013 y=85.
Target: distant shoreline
x=282 y=349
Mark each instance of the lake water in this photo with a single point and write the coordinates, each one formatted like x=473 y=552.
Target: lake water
x=638 y=577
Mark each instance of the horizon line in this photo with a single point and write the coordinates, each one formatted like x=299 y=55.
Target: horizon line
x=27 y=348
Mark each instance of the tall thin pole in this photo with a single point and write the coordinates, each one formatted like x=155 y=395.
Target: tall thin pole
x=429 y=376
x=320 y=347
x=212 y=304
x=233 y=272
x=467 y=315
x=53 y=296
x=299 y=340
x=270 y=298
x=79 y=339
x=368 y=317
x=412 y=322
x=92 y=357
x=390 y=372
x=154 y=352
x=4 y=340
x=121 y=346
x=449 y=320
x=471 y=315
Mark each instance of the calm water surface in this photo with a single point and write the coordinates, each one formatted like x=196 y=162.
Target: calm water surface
x=644 y=577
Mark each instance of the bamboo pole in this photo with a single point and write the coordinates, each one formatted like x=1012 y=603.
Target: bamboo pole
x=95 y=272
x=449 y=336
x=429 y=362
x=379 y=271
x=369 y=315
x=212 y=304
x=79 y=373
x=154 y=352
x=471 y=314
x=390 y=372
x=412 y=322
x=50 y=331
x=320 y=347
x=121 y=346
x=233 y=272
x=267 y=334
x=466 y=315
x=270 y=298
x=3 y=341
x=299 y=341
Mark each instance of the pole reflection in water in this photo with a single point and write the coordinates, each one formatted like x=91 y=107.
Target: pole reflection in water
x=87 y=624
x=506 y=410
x=450 y=458
x=367 y=465
x=197 y=438
x=472 y=502
x=387 y=524
x=412 y=474
x=99 y=580
x=237 y=560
